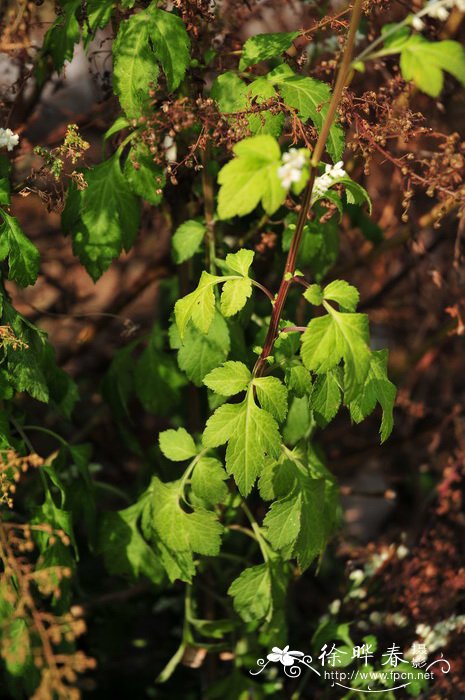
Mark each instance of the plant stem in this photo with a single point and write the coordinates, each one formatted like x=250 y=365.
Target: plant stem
x=209 y=209
x=307 y=198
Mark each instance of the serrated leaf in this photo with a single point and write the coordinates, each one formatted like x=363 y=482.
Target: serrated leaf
x=251 y=434
x=272 y=395
x=301 y=522
x=311 y=99
x=25 y=362
x=177 y=445
x=144 y=176
x=251 y=178
x=123 y=547
x=325 y=398
x=377 y=388
x=63 y=35
x=424 y=61
x=241 y=261
x=343 y=294
x=180 y=533
x=314 y=294
x=170 y=43
x=187 y=240
x=233 y=96
x=198 y=306
x=135 y=65
x=229 y=379
x=234 y=295
x=200 y=352
x=259 y=591
x=299 y=380
x=208 y=481
x=23 y=256
x=261 y=47
x=336 y=336
x=157 y=380
x=103 y=218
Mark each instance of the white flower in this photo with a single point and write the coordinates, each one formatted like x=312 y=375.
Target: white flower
x=170 y=149
x=357 y=576
x=8 y=138
x=335 y=606
x=418 y=24
x=332 y=174
x=291 y=170
x=402 y=551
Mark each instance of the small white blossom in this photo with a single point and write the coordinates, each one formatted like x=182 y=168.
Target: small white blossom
x=418 y=24
x=402 y=551
x=8 y=138
x=357 y=576
x=331 y=174
x=169 y=146
x=291 y=170
x=335 y=606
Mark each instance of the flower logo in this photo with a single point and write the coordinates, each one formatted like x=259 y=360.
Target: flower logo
x=283 y=656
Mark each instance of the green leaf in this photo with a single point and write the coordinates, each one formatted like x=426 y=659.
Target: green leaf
x=23 y=256
x=272 y=395
x=200 y=352
x=134 y=65
x=424 y=61
x=170 y=43
x=326 y=397
x=234 y=96
x=25 y=363
x=144 y=176
x=320 y=242
x=234 y=295
x=123 y=547
x=300 y=522
x=182 y=534
x=299 y=380
x=336 y=336
x=63 y=35
x=4 y=180
x=251 y=178
x=314 y=294
x=208 y=481
x=241 y=261
x=355 y=193
x=311 y=100
x=16 y=646
x=379 y=389
x=259 y=591
x=198 y=306
x=103 y=218
x=157 y=380
x=187 y=239
x=177 y=445
x=229 y=379
x=261 y=47
x=251 y=434
x=343 y=294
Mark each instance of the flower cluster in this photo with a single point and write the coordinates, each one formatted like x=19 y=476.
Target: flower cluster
x=291 y=170
x=438 y=10
x=8 y=138
x=331 y=174
x=437 y=636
